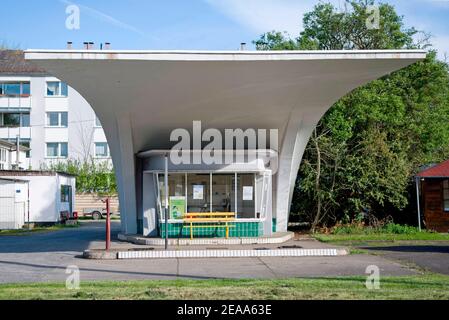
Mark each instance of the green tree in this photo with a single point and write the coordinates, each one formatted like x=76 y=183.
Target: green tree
x=362 y=155
x=91 y=176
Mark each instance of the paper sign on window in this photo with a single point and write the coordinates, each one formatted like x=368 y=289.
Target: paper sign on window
x=198 y=192
x=247 y=193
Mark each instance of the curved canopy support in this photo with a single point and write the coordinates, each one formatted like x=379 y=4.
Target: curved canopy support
x=141 y=96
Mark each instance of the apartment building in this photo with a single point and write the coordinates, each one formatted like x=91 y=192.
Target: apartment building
x=50 y=118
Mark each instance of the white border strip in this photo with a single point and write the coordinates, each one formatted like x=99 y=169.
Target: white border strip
x=229 y=253
x=211 y=241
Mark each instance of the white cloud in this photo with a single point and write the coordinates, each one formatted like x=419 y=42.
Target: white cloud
x=107 y=18
x=441 y=43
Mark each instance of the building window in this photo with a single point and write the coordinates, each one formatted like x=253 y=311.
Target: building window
x=23 y=143
x=14 y=119
x=65 y=193
x=240 y=193
x=26 y=144
x=97 y=122
x=25 y=120
x=446 y=195
x=15 y=89
x=57 y=119
x=57 y=89
x=101 y=149
x=57 y=150
x=11 y=120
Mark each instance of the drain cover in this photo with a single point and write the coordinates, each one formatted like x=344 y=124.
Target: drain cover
x=141 y=249
x=262 y=249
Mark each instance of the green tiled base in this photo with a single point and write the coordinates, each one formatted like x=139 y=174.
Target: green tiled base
x=274 y=225
x=241 y=229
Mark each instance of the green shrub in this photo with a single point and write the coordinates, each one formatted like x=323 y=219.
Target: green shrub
x=394 y=228
x=357 y=228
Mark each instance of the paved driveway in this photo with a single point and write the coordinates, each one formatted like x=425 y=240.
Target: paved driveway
x=45 y=257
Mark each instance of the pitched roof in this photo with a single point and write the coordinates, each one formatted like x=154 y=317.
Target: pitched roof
x=12 y=146
x=12 y=62
x=438 y=171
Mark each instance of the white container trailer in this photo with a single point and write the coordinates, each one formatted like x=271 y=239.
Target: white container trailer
x=13 y=203
x=51 y=194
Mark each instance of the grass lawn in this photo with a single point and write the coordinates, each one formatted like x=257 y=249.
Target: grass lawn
x=22 y=232
x=428 y=286
x=348 y=238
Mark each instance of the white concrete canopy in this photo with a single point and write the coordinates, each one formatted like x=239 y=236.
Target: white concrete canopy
x=141 y=96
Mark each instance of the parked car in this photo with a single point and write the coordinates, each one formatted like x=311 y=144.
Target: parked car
x=96 y=213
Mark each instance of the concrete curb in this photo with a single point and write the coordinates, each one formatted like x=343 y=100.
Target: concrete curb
x=231 y=253
x=281 y=238
x=189 y=254
x=100 y=254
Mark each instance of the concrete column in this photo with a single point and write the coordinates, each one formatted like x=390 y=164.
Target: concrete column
x=150 y=219
x=125 y=171
x=296 y=137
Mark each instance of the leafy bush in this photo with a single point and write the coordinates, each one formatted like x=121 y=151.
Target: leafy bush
x=394 y=228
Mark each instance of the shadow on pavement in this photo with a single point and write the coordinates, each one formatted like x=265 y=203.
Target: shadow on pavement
x=411 y=248
x=149 y=274
x=69 y=240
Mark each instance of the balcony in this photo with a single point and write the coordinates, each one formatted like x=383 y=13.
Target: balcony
x=15 y=102
x=8 y=133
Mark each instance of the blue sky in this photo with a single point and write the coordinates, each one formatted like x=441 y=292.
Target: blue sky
x=182 y=24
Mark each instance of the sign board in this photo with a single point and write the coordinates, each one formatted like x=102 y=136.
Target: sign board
x=198 y=192
x=247 y=193
x=177 y=207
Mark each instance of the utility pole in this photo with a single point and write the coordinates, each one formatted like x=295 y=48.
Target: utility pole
x=18 y=151
x=166 y=202
x=418 y=204
x=108 y=225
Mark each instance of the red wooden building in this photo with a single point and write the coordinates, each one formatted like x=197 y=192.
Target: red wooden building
x=434 y=183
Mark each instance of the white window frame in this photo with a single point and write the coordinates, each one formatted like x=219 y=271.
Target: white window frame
x=47 y=122
x=21 y=84
x=107 y=150
x=60 y=95
x=58 y=156
x=262 y=217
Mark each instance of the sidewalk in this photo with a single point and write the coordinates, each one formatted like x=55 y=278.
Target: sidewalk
x=295 y=247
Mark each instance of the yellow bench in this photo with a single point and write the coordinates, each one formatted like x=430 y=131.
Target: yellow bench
x=219 y=220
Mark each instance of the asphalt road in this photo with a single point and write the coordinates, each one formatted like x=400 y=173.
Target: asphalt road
x=432 y=256
x=45 y=257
